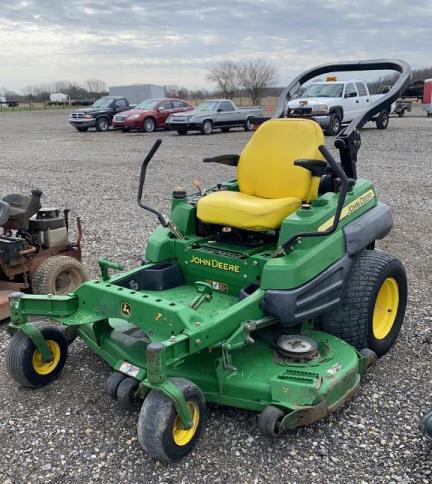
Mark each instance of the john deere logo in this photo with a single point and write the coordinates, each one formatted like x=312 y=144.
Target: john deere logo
x=126 y=309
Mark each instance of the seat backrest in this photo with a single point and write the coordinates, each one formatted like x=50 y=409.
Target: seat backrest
x=266 y=165
x=21 y=208
x=4 y=212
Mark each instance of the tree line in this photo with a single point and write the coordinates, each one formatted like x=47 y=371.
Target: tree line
x=255 y=79
x=89 y=89
x=390 y=79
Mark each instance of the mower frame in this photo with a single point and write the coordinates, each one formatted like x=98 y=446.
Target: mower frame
x=196 y=301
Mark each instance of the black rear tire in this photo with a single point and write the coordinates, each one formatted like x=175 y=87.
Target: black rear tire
x=357 y=319
x=383 y=119
x=334 y=125
x=24 y=363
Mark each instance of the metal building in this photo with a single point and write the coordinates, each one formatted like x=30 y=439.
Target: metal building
x=135 y=93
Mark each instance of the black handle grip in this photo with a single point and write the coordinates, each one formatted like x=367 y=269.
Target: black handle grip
x=144 y=165
x=146 y=161
x=344 y=188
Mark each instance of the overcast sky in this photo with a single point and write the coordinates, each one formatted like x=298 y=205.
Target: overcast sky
x=175 y=41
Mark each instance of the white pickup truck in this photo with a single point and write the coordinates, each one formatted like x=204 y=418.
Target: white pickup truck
x=332 y=103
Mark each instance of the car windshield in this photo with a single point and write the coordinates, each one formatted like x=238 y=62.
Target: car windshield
x=324 y=90
x=148 y=104
x=208 y=106
x=103 y=102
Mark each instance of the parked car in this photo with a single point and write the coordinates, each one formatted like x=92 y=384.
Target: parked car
x=99 y=115
x=150 y=114
x=332 y=103
x=214 y=114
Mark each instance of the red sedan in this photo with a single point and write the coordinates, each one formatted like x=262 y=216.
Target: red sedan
x=150 y=114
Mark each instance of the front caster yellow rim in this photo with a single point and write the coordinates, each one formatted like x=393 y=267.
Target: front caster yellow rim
x=181 y=435
x=386 y=308
x=46 y=367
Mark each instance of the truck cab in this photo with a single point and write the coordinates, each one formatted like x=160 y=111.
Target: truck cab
x=99 y=115
x=332 y=103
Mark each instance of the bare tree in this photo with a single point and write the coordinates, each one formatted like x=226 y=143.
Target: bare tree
x=60 y=86
x=95 y=86
x=226 y=76
x=29 y=92
x=175 y=91
x=255 y=76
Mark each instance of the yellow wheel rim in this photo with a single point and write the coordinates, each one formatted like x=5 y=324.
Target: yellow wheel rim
x=385 y=310
x=181 y=435
x=45 y=367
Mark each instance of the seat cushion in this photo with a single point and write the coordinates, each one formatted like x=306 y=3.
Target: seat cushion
x=235 y=209
x=266 y=165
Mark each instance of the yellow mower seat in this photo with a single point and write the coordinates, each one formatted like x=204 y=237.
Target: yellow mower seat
x=270 y=186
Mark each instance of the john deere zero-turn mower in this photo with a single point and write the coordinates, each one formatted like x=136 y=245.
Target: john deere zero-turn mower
x=264 y=292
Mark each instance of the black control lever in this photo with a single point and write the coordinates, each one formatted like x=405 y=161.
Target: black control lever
x=165 y=222
x=344 y=188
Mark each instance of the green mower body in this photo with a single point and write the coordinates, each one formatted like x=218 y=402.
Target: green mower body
x=226 y=344
x=247 y=317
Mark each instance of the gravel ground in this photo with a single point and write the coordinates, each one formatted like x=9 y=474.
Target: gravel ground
x=71 y=432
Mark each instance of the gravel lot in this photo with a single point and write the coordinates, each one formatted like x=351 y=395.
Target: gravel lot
x=71 y=432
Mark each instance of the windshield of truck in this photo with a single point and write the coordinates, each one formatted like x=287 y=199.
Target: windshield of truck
x=333 y=89
x=103 y=102
x=208 y=106
x=148 y=104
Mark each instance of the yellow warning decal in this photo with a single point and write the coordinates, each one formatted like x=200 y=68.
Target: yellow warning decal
x=350 y=208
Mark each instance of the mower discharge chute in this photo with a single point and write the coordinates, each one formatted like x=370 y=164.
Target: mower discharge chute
x=264 y=293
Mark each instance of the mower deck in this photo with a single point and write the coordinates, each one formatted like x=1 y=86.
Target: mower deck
x=258 y=375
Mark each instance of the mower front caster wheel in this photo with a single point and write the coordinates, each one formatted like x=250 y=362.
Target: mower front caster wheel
x=126 y=392
x=269 y=421
x=160 y=431
x=112 y=383
x=24 y=361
